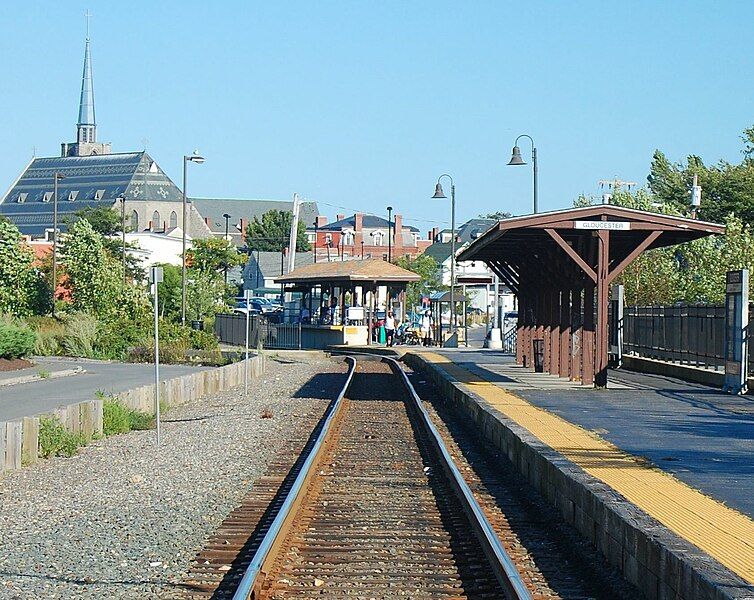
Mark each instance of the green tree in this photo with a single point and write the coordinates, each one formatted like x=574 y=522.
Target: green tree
x=272 y=232
x=497 y=215
x=22 y=289
x=94 y=278
x=213 y=254
x=726 y=187
x=169 y=292
x=431 y=277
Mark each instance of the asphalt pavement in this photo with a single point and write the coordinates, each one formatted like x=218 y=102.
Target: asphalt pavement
x=26 y=399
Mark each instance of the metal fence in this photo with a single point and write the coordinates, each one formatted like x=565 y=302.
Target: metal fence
x=509 y=340
x=692 y=334
x=231 y=329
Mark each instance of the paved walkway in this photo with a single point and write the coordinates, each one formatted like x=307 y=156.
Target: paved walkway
x=25 y=399
x=708 y=437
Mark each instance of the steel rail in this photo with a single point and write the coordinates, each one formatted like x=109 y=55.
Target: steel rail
x=505 y=570
x=246 y=586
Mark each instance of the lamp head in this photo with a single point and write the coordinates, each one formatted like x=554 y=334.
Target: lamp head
x=226 y=216
x=196 y=157
x=59 y=176
x=438 y=191
x=516 y=157
x=390 y=209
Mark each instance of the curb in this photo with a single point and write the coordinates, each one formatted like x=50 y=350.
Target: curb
x=37 y=377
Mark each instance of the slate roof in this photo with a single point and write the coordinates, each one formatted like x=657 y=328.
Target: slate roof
x=242 y=208
x=269 y=263
x=368 y=222
x=440 y=251
x=369 y=270
x=90 y=181
x=472 y=229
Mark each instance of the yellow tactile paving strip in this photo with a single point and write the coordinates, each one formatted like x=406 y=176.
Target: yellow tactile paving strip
x=722 y=532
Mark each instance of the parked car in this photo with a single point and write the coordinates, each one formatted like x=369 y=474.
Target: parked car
x=261 y=305
x=510 y=319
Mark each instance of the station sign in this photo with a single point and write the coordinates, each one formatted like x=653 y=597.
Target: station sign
x=609 y=225
x=736 y=326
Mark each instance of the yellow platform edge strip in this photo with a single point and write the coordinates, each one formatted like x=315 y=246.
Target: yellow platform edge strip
x=722 y=532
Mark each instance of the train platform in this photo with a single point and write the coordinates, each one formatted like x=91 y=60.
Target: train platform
x=679 y=452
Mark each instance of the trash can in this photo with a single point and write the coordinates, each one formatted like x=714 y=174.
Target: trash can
x=539 y=356
x=198 y=325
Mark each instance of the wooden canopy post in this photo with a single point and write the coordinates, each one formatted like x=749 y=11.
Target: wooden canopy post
x=603 y=298
x=565 y=333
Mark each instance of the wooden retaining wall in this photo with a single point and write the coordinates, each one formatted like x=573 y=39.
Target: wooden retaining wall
x=19 y=440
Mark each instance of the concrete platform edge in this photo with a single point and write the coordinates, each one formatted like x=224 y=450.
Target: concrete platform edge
x=19 y=439
x=661 y=564
x=668 y=369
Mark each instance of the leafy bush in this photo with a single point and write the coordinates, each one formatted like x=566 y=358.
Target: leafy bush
x=54 y=440
x=116 y=338
x=15 y=341
x=118 y=418
x=203 y=340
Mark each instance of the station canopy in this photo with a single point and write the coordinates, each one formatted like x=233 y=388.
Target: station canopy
x=556 y=262
x=349 y=273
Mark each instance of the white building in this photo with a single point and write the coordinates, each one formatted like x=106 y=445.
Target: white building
x=157 y=247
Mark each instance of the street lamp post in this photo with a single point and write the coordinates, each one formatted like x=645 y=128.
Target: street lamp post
x=123 y=234
x=440 y=194
x=226 y=216
x=362 y=249
x=517 y=160
x=55 y=178
x=198 y=159
x=315 y=239
x=389 y=234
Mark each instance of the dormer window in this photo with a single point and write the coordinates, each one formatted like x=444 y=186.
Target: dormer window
x=99 y=194
x=378 y=237
x=72 y=195
x=47 y=197
x=22 y=197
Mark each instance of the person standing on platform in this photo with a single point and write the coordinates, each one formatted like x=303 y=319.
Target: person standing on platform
x=389 y=328
x=426 y=328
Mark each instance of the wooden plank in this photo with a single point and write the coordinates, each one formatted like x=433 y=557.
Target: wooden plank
x=2 y=446
x=13 y=438
x=30 y=441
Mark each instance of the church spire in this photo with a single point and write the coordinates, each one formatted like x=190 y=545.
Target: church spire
x=87 y=125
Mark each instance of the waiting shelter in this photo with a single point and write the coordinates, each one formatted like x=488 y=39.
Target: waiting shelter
x=344 y=299
x=560 y=264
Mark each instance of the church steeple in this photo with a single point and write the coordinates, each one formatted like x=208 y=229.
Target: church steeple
x=87 y=125
x=86 y=128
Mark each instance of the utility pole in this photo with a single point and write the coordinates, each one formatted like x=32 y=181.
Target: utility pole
x=614 y=185
x=696 y=196
x=294 y=234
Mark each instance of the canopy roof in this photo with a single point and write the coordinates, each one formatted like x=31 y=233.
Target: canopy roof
x=356 y=271
x=520 y=242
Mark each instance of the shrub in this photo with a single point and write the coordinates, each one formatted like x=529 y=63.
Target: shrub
x=54 y=440
x=203 y=340
x=116 y=338
x=118 y=418
x=15 y=341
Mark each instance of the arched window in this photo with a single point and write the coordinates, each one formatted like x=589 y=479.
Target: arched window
x=155 y=220
x=135 y=221
x=173 y=219
x=377 y=235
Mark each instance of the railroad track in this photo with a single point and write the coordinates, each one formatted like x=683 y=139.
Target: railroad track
x=372 y=505
x=373 y=508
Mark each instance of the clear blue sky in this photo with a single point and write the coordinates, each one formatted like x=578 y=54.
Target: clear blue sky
x=364 y=104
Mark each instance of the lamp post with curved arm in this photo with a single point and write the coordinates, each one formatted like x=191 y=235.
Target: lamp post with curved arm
x=440 y=194
x=516 y=159
x=198 y=159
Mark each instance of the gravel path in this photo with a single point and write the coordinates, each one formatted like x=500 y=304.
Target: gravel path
x=122 y=520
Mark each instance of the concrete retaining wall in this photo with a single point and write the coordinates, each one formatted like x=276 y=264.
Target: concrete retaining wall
x=685 y=372
x=19 y=440
x=659 y=563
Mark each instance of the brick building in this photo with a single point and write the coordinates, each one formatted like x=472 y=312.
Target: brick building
x=366 y=236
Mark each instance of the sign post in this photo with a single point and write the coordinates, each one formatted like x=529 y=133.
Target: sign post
x=155 y=277
x=247 y=294
x=736 y=326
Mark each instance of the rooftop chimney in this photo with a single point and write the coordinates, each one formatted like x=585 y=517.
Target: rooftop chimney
x=321 y=220
x=340 y=217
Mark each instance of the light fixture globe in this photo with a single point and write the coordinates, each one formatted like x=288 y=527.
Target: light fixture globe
x=516 y=157
x=438 y=191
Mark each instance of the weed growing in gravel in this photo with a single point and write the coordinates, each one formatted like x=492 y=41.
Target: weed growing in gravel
x=54 y=440
x=43 y=374
x=266 y=414
x=118 y=418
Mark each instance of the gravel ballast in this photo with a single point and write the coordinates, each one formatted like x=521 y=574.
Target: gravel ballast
x=124 y=519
